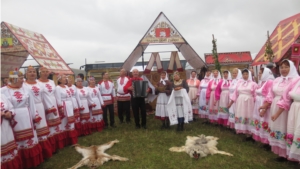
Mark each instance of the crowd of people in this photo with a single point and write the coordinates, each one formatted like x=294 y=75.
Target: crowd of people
x=39 y=117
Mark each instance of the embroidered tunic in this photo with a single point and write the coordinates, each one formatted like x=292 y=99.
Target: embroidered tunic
x=278 y=128
x=193 y=90
x=107 y=91
x=293 y=126
x=260 y=130
x=203 y=108
x=121 y=94
x=244 y=96
x=96 y=119
x=9 y=152
x=163 y=91
x=25 y=117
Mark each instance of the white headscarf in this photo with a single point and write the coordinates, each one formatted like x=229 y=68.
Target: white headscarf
x=228 y=78
x=195 y=78
x=266 y=75
x=216 y=80
x=293 y=71
x=164 y=80
x=245 y=82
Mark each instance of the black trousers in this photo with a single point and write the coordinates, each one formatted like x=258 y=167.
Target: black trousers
x=124 y=105
x=139 y=105
x=110 y=108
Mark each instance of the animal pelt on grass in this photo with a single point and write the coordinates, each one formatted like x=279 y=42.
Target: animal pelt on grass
x=94 y=156
x=201 y=146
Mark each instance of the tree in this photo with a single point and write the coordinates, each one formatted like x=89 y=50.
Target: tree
x=215 y=55
x=269 y=55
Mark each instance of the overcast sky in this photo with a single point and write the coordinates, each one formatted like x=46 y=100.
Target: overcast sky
x=109 y=30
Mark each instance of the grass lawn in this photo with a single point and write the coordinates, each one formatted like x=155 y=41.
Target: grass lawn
x=148 y=149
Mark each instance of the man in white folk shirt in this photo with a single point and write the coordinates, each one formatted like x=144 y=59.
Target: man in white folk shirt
x=123 y=98
x=107 y=91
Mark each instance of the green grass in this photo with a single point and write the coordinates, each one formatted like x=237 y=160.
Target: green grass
x=148 y=149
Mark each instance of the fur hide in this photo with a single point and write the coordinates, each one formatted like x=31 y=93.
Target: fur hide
x=200 y=146
x=94 y=156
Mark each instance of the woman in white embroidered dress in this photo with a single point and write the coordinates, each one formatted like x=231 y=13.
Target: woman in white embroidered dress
x=236 y=78
x=56 y=136
x=25 y=117
x=290 y=101
x=75 y=100
x=222 y=96
x=278 y=121
x=210 y=97
x=41 y=128
x=244 y=96
x=10 y=157
x=65 y=107
x=85 y=101
x=96 y=119
x=261 y=124
x=203 y=108
x=194 y=84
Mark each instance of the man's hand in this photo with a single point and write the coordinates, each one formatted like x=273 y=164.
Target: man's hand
x=130 y=88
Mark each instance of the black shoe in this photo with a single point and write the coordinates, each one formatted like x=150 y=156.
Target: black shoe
x=249 y=139
x=178 y=127
x=163 y=126
x=280 y=159
x=267 y=147
x=181 y=126
x=167 y=124
x=106 y=127
x=113 y=126
x=128 y=121
x=121 y=122
x=144 y=127
x=137 y=126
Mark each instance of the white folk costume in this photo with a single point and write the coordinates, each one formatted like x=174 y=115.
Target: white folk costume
x=96 y=119
x=23 y=127
x=222 y=96
x=123 y=99
x=292 y=93
x=203 y=108
x=10 y=157
x=232 y=87
x=75 y=100
x=193 y=84
x=64 y=101
x=278 y=128
x=52 y=115
x=179 y=106
x=210 y=97
x=260 y=125
x=42 y=129
x=163 y=90
x=85 y=115
x=244 y=97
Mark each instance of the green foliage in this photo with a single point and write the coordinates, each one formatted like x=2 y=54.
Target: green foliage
x=269 y=55
x=215 y=55
x=149 y=149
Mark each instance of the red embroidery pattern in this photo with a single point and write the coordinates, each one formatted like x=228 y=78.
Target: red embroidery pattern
x=49 y=87
x=57 y=129
x=83 y=92
x=72 y=91
x=18 y=96
x=68 y=93
x=67 y=126
x=35 y=90
x=30 y=142
x=95 y=92
x=2 y=106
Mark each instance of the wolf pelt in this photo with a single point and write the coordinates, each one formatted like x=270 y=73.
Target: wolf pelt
x=94 y=156
x=200 y=146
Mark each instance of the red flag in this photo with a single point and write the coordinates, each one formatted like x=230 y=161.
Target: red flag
x=162 y=32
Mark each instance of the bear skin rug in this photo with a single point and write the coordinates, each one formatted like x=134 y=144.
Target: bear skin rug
x=200 y=146
x=94 y=156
